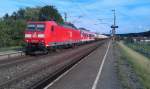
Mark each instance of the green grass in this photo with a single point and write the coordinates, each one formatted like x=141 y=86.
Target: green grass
x=122 y=74
x=140 y=63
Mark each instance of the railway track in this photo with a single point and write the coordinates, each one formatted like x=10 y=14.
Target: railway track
x=7 y=69
x=23 y=59
x=47 y=72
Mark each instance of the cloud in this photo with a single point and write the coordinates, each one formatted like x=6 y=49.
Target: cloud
x=130 y=13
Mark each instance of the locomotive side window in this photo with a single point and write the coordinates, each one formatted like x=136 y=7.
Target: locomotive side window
x=31 y=27
x=52 y=28
x=40 y=27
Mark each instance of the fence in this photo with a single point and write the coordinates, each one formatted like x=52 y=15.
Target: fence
x=141 y=47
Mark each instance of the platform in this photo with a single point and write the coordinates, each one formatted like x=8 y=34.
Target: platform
x=96 y=71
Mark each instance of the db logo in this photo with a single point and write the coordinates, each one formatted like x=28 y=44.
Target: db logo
x=34 y=35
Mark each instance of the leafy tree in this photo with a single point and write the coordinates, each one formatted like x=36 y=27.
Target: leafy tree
x=21 y=13
x=6 y=16
x=50 y=13
x=14 y=15
x=32 y=13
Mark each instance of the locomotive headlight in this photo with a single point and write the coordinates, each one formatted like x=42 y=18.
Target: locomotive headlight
x=41 y=35
x=27 y=35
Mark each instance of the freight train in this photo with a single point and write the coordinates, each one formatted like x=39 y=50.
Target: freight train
x=47 y=35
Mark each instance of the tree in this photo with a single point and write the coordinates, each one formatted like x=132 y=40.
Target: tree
x=14 y=16
x=32 y=13
x=6 y=16
x=21 y=13
x=50 y=13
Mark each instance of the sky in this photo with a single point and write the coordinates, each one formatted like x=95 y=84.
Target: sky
x=95 y=15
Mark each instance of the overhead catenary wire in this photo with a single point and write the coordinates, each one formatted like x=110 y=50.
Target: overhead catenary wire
x=85 y=12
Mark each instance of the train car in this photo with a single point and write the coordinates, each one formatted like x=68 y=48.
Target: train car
x=48 y=34
x=100 y=37
x=87 y=36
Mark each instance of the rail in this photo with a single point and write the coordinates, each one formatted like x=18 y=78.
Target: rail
x=8 y=55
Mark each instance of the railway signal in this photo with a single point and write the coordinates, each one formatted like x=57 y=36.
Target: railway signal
x=114 y=26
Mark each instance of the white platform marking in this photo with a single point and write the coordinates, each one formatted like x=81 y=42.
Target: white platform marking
x=100 y=69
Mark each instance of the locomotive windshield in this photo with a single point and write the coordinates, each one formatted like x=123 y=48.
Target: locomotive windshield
x=40 y=27
x=33 y=27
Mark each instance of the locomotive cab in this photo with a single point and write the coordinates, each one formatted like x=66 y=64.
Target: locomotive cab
x=36 y=36
x=35 y=33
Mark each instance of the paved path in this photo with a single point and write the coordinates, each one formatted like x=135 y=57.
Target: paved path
x=96 y=71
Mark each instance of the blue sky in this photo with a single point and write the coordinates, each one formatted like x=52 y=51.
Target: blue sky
x=95 y=15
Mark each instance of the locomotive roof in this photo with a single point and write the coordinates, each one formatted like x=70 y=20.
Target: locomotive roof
x=69 y=25
x=40 y=22
x=84 y=29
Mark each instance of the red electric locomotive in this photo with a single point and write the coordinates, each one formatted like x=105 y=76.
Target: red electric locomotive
x=49 y=35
